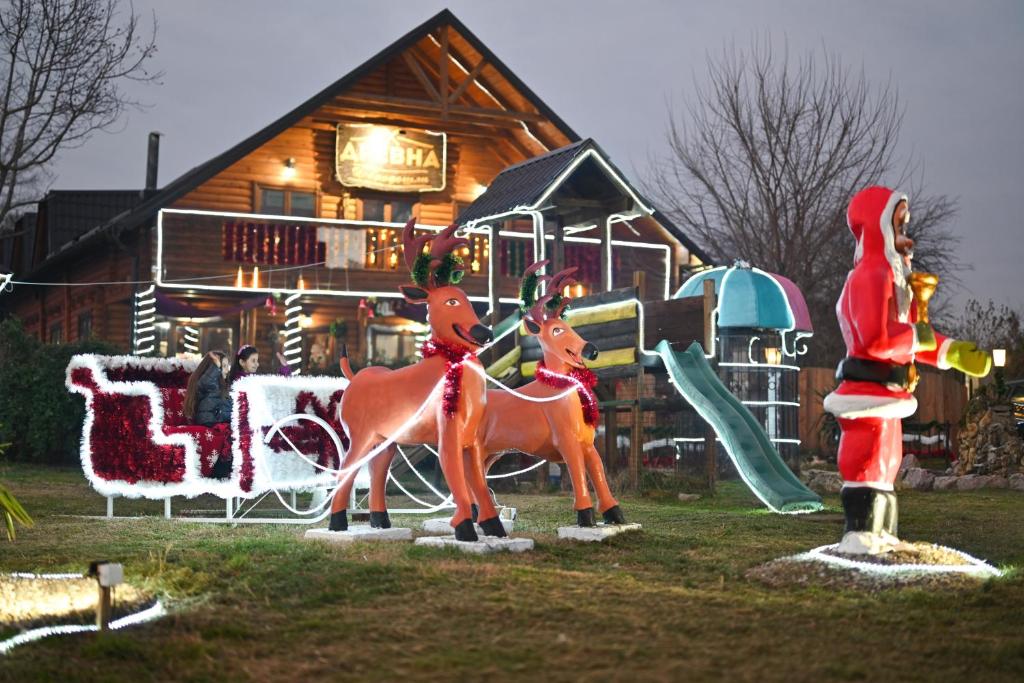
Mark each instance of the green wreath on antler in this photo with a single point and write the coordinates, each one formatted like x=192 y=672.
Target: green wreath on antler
x=551 y=305
x=440 y=265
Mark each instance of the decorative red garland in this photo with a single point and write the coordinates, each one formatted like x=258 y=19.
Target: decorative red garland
x=455 y=355
x=584 y=381
x=245 y=443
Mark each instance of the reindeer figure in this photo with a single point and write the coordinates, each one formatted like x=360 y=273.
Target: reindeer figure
x=560 y=431
x=379 y=401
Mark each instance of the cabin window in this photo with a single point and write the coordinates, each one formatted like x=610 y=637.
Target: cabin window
x=391 y=345
x=56 y=333
x=383 y=244
x=275 y=201
x=85 y=325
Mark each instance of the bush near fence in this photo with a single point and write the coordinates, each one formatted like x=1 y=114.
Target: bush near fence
x=38 y=416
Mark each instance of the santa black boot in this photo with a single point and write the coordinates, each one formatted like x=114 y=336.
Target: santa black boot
x=865 y=510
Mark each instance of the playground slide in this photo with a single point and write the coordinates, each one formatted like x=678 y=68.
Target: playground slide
x=744 y=438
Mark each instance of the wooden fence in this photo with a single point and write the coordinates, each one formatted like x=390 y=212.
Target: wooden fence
x=941 y=396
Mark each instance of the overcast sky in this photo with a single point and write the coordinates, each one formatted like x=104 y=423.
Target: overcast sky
x=608 y=69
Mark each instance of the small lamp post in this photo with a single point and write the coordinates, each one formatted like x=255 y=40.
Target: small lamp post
x=107 y=575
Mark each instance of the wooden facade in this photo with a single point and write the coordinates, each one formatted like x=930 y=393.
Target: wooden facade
x=439 y=77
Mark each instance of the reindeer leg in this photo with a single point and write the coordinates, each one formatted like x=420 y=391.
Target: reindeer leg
x=379 y=468
x=339 y=506
x=489 y=521
x=606 y=503
x=450 y=449
x=574 y=462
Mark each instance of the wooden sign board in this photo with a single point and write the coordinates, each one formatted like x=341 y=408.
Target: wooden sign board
x=390 y=158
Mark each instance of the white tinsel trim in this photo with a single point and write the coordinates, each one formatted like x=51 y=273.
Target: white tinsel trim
x=853 y=406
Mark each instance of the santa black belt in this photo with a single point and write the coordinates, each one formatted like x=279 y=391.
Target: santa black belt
x=863 y=370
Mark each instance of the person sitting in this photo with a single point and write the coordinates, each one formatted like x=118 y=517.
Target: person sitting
x=206 y=398
x=247 y=362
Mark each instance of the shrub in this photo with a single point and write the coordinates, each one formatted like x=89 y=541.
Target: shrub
x=40 y=418
x=10 y=509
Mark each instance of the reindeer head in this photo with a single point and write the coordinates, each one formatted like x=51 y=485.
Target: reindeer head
x=543 y=318
x=435 y=273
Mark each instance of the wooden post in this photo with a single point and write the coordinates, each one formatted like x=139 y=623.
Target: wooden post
x=604 y=233
x=710 y=446
x=709 y=308
x=710 y=458
x=103 y=608
x=558 y=249
x=492 y=285
x=636 y=439
x=444 y=72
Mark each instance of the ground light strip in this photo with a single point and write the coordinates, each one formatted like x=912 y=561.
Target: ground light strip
x=156 y=611
x=975 y=567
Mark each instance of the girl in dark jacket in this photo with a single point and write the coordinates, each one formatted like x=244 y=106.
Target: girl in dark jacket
x=206 y=399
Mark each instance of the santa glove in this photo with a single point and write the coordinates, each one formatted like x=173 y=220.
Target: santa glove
x=968 y=358
x=924 y=337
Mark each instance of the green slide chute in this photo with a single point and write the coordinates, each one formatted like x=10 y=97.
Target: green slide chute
x=753 y=454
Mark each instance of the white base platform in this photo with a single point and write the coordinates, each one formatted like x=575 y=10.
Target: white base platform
x=486 y=544
x=359 y=532
x=595 y=534
x=441 y=526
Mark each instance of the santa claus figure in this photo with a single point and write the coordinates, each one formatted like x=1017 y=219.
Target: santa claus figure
x=884 y=338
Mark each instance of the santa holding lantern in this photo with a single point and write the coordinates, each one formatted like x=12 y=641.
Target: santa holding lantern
x=883 y=317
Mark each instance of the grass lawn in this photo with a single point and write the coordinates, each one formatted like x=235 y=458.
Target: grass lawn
x=670 y=603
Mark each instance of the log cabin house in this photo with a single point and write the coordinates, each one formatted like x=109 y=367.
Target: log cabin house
x=289 y=239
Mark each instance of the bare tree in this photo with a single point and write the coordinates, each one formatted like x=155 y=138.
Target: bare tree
x=770 y=153
x=63 y=65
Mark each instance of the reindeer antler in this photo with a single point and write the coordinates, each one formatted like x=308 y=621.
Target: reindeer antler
x=412 y=246
x=553 y=302
x=438 y=267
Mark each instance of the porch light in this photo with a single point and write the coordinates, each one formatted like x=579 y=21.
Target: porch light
x=999 y=358
x=305 y=321
x=301 y=284
x=255 y=277
x=288 y=172
x=773 y=355
x=239 y=278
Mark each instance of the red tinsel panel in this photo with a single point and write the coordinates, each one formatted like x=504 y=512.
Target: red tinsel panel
x=122 y=446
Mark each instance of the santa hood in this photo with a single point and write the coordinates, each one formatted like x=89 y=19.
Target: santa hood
x=870 y=219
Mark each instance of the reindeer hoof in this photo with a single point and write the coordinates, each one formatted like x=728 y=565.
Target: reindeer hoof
x=380 y=520
x=464 y=531
x=339 y=521
x=493 y=527
x=613 y=515
x=475 y=510
x=585 y=517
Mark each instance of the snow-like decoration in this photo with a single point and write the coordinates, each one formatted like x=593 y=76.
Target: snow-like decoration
x=136 y=444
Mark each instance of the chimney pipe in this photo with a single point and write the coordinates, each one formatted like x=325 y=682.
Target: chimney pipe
x=152 y=160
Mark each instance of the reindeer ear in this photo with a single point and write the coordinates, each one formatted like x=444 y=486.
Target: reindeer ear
x=531 y=326
x=414 y=295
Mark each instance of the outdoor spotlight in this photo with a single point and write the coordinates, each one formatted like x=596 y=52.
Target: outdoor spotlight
x=289 y=168
x=999 y=358
x=107 y=575
x=772 y=355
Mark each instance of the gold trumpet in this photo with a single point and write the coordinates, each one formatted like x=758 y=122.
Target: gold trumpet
x=923 y=286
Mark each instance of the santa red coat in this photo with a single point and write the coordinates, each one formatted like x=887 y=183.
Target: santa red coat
x=876 y=316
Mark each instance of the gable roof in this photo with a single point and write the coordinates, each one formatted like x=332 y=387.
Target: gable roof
x=184 y=183
x=529 y=182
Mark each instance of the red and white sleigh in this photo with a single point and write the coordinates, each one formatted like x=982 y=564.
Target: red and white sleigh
x=283 y=438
